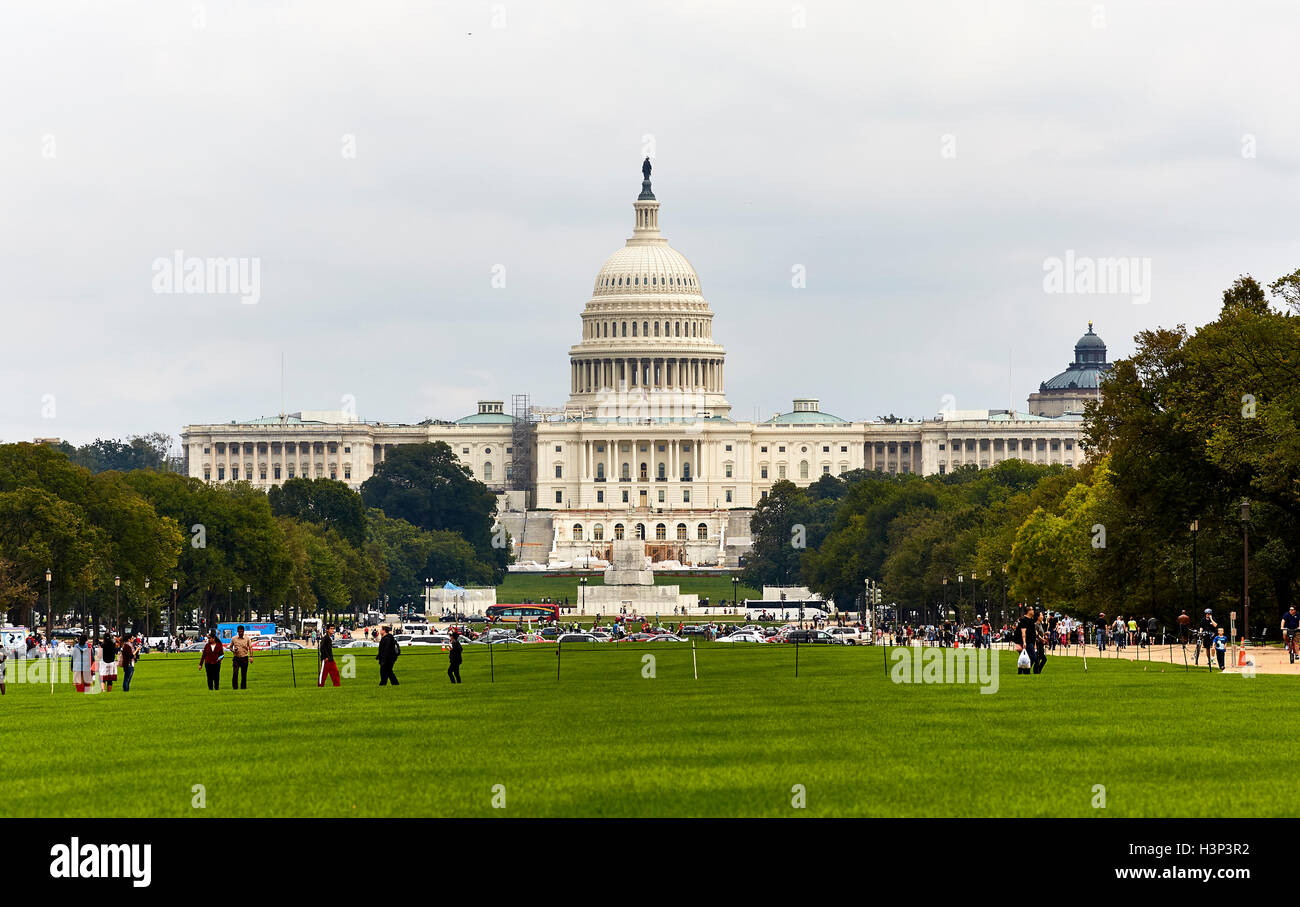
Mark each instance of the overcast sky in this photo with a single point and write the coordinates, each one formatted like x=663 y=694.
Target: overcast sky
x=921 y=161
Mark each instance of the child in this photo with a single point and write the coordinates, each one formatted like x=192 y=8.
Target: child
x=1220 y=645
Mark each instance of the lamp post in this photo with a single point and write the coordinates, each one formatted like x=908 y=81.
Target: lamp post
x=248 y=602
x=1245 y=568
x=945 y=594
x=230 y=601
x=171 y=621
x=146 y=608
x=1194 y=528
x=49 y=606
x=1003 y=613
x=960 y=578
x=582 y=585
x=735 y=586
x=117 y=603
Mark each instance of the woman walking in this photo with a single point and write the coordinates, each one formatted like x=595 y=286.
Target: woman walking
x=210 y=660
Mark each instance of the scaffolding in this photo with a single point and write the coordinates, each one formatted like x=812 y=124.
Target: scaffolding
x=523 y=435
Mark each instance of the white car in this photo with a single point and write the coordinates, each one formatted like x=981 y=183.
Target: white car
x=742 y=636
x=433 y=639
x=851 y=635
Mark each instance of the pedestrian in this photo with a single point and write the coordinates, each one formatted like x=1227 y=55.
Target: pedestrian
x=1220 y=645
x=387 y=656
x=3 y=657
x=1027 y=637
x=128 y=656
x=454 y=659
x=328 y=668
x=108 y=663
x=210 y=660
x=83 y=658
x=241 y=649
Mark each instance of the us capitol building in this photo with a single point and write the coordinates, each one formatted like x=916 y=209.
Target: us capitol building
x=645 y=448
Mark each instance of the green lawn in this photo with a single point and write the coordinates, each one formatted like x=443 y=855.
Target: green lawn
x=534 y=586
x=604 y=741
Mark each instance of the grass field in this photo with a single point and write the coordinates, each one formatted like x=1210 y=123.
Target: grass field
x=535 y=586
x=605 y=741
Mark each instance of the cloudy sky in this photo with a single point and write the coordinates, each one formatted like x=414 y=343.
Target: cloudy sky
x=920 y=161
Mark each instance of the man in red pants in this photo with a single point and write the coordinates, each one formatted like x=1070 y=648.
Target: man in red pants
x=327 y=666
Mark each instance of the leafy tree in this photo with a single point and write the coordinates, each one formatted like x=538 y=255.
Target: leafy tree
x=328 y=502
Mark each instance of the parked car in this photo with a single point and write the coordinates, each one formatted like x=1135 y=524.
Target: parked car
x=666 y=637
x=851 y=635
x=433 y=639
x=743 y=636
x=577 y=637
x=813 y=637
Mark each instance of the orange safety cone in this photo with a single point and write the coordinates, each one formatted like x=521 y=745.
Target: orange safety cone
x=1241 y=657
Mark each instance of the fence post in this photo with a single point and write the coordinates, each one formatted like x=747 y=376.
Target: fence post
x=796 y=659
x=558 y=646
x=292 y=670
x=694 y=664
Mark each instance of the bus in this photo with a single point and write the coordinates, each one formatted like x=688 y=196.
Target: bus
x=812 y=608
x=517 y=614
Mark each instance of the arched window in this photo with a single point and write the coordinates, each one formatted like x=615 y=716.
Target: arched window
x=681 y=532
x=702 y=531
x=640 y=531
x=662 y=469
x=487 y=472
x=677 y=327
x=618 y=530
x=577 y=532
x=803 y=469
x=627 y=470
x=644 y=474
x=656 y=329
x=600 y=470
x=645 y=329
x=598 y=532
x=625 y=329
x=634 y=329
x=661 y=533
x=686 y=470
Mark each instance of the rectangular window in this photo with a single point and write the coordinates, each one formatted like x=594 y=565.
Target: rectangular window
x=843 y=449
x=728 y=495
x=764 y=472
x=261 y=474
x=234 y=473
x=686 y=496
x=510 y=450
x=558 y=448
x=347 y=450
x=780 y=472
x=334 y=473
x=661 y=448
x=661 y=495
x=464 y=450
x=826 y=470
x=727 y=470
x=277 y=473
x=559 y=496
x=559 y=472
x=781 y=449
x=221 y=473
x=207 y=475
x=347 y=472
x=763 y=449
x=765 y=494
x=728 y=448
x=600 y=496
x=825 y=449
x=624 y=497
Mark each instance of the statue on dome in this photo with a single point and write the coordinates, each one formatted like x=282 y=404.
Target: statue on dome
x=645 y=169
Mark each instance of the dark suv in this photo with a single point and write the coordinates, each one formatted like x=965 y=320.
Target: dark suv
x=813 y=637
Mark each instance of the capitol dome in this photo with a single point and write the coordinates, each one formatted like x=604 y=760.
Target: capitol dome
x=647 y=349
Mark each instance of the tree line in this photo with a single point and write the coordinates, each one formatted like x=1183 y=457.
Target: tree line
x=308 y=546
x=1189 y=427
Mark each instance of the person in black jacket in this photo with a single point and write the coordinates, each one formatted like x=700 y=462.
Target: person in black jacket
x=387 y=656
x=453 y=668
x=328 y=667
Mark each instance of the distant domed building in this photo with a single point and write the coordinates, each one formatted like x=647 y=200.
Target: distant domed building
x=1072 y=388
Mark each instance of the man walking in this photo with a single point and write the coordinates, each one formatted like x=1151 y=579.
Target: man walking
x=453 y=668
x=327 y=666
x=241 y=649
x=387 y=656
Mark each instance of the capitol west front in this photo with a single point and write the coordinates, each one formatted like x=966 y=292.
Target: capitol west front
x=645 y=446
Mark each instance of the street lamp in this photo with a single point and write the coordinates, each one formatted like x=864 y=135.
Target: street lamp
x=171 y=621
x=1003 y=613
x=1245 y=562
x=1194 y=528
x=117 y=603
x=248 y=602
x=582 y=584
x=49 y=606
x=945 y=594
x=735 y=584
x=146 y=608
x=230 y=601
x=959 y=594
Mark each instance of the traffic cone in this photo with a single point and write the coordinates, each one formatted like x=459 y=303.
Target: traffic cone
x=1241 y=657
